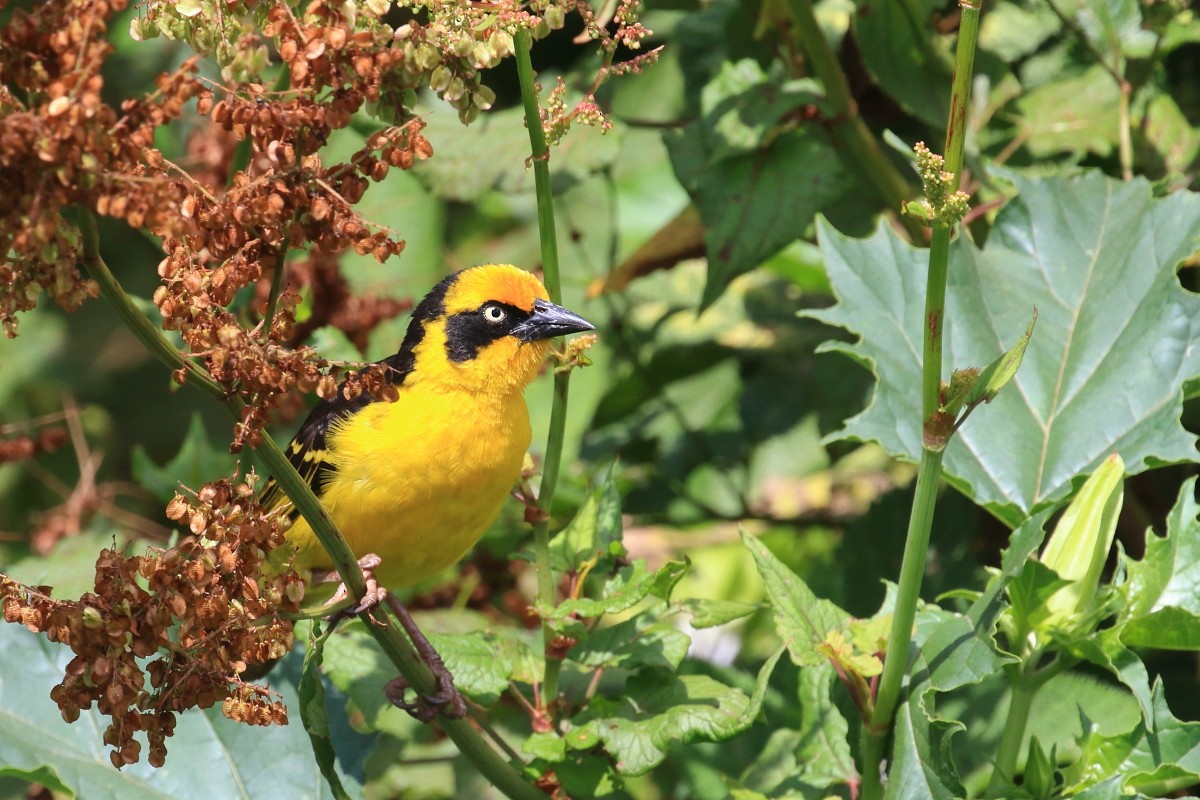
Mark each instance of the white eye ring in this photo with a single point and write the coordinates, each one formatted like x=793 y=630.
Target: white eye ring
x=494 y=314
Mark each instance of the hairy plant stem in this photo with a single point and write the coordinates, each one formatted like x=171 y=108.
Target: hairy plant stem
x=851 y=133
x=385 y=631
x=540 y=159
x=916 y=546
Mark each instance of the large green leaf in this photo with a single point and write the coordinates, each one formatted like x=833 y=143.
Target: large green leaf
x=921 y=766
x=755 y=177
x=209 y=756
x=901 y=49
x=1104 y=370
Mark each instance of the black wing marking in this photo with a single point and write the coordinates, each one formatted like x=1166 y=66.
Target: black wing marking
x=308 y=452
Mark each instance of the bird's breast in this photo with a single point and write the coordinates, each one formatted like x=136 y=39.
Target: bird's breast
x=418 y=481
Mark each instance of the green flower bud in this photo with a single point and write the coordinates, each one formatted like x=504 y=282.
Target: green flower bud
x=1079 y=545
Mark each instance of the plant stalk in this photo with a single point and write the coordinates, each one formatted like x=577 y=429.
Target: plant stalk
x=916 y=546
x=540 y=158
x=849 y=130
x=395 y=646
x=1019 y=705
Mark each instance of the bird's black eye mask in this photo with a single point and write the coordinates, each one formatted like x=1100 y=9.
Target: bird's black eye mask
x=467 y=332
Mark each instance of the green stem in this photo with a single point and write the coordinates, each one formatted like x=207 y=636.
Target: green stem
x=134 y=319
x=558 y=411
x=895 y=663
x=385 y=631
x=935 y=308
x=1019 y=705
x=916 y=545
x=849 y=130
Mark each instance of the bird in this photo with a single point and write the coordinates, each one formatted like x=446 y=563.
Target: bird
x=413 y=484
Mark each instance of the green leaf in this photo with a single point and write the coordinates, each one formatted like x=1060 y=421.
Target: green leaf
x=900 y=48
x=1030 y=592
x=711 y=613
x=480 y=661
x=1169 y=573
x=196 y=463
x=921 y=766
x=1075 y=114
x=633 y=643
x=825 y=747
x=547 y=746
x=1105 y=649
x=593 y=531
x=996 y=375
x=955 y=653
x=630 y=586
x=1088 y=387
x=1022 y=544
x=209 y=755
x=801 y=619
x=1141 y=758
x=756 y=181
x=659 y=708
x=313 y=713
x=1169 y=628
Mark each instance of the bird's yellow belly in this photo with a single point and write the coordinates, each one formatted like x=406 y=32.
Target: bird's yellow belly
x=418 y=481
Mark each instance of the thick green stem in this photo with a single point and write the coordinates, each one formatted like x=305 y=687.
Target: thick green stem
x=851 y=133
x=385 y=631
x=895 y=663
x=558 y=411
x=1019 y=705
x=935 y=308
x=916 y=545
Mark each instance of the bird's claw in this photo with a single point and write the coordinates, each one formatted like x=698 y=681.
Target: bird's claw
x=448 y=702
x=372 y=597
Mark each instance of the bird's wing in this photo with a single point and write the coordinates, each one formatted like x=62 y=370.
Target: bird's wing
x=308 y=452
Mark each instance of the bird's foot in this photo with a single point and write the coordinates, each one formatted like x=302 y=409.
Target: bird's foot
x=374 y=595
x=448 y=701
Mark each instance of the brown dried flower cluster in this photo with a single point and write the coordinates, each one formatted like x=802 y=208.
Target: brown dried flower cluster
x=199 y=611
x=60 y=144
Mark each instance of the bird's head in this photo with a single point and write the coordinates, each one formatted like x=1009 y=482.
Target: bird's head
x=485 y=329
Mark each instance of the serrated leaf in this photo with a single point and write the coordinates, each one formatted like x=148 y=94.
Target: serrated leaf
x=480 y=663
x=1168 y=575
x=592 y=531
x=801 y=619
x=630 y=586
x=825 y=749
x=660 y=708
x=209 y=755
x=633 y=643
x=921 y=767
x=1141 y=757
x=1170 y=628
x=711 y=613
x=314 y=715
x=196 y=463
x=1088 y=386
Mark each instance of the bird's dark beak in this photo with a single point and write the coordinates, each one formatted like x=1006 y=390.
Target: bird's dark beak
x=549 y=320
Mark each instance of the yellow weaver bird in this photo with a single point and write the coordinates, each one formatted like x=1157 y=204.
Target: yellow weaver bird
x=417 y=481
